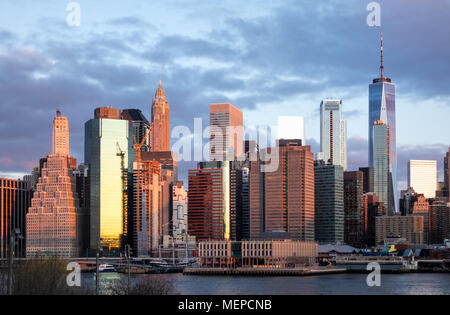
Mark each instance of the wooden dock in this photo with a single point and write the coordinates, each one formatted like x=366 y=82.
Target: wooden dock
x=261 y=271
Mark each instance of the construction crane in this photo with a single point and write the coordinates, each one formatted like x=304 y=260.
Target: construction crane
x=124 y=190
x=137 y=146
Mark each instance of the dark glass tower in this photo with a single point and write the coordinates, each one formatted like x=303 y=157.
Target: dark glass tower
x=382 y=107
x=329 y=212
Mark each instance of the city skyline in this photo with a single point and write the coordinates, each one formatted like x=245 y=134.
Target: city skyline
x=228 y=147
x=35 y=61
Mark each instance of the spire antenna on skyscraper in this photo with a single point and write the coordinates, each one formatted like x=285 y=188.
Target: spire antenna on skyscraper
x=381 y=50
x=160 y=138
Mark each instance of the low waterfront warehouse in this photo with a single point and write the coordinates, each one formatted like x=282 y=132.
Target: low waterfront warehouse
x=257 y=253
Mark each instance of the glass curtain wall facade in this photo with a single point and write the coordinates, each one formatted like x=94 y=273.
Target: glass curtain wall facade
x=329 y=204
x=209 y=201
x=383 y=177
x=382 y=107
x=422 y=177
x=333 y=133
x=108 y=150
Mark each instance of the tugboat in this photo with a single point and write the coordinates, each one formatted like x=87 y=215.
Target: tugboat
x=106 y=268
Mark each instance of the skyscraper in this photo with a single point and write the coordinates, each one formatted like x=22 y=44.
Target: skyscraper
x=209 y=201
x=368 y=179
x=139 y=124
x=256 y=199
x=245 y=215
x=108 y=155
x=355 y=209
x=236 y=189
x=283 y=199
x=169 y=173
x=333 y=133
x=145 y=225
x=422 y=177
x=160 y=136
x=421 y=208
x=374 y=210
x=180 y=209
x=15 y=197
x=447 y=173
x=439 y=222
x=60 y=139
x=226 y=132
x=54 y=220
x=329 y=203
x=383 y=178
x=382 y=108
x=409 y=227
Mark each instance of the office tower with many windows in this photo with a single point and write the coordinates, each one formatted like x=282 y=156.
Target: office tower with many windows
x=447 y=174
x=60 y=133
x=180 y=209
x=15 y=198
x=367 y=179
x=139 y=125
x=355 y=209
x=374 y=210
x=422 y=177
x=383 y=178
x=333 y=134
x=226 y=132
x=145 y=196
x=160 y=135
x=208 y=201
x=167 y=159
x=256 y=199
x=245 y=193
x=382 y=108
x=169 y=174
x=32 y=178
x=439 y=222
x=282 y=199
x=329 y=203
x=236 y=196
x=54 y=220
x=409 y=227
x=109 y=157
x=83 y=187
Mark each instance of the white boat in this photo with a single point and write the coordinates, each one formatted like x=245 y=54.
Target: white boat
x=106 y=268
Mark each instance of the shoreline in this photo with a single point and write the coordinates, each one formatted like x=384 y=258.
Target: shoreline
x=270 y=272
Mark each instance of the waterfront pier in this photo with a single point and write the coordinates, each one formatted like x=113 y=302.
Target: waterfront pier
x=261 y=271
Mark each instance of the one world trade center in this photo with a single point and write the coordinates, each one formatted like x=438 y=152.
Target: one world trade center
x=382 y=149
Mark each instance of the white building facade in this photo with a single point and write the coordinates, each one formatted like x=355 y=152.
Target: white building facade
x=422 y=177
x=333 y=133
x=180 y=209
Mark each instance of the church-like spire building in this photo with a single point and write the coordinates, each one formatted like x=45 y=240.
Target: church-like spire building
x=160 y=140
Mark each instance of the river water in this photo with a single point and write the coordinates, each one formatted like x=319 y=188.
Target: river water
x=414 y=283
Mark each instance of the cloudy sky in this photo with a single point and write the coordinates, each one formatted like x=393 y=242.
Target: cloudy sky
x=268 y=58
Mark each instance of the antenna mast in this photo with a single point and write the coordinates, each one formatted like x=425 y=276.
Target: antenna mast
x=381 y=50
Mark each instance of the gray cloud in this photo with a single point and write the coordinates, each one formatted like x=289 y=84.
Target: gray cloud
x=357 y=153
x=299 y=49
